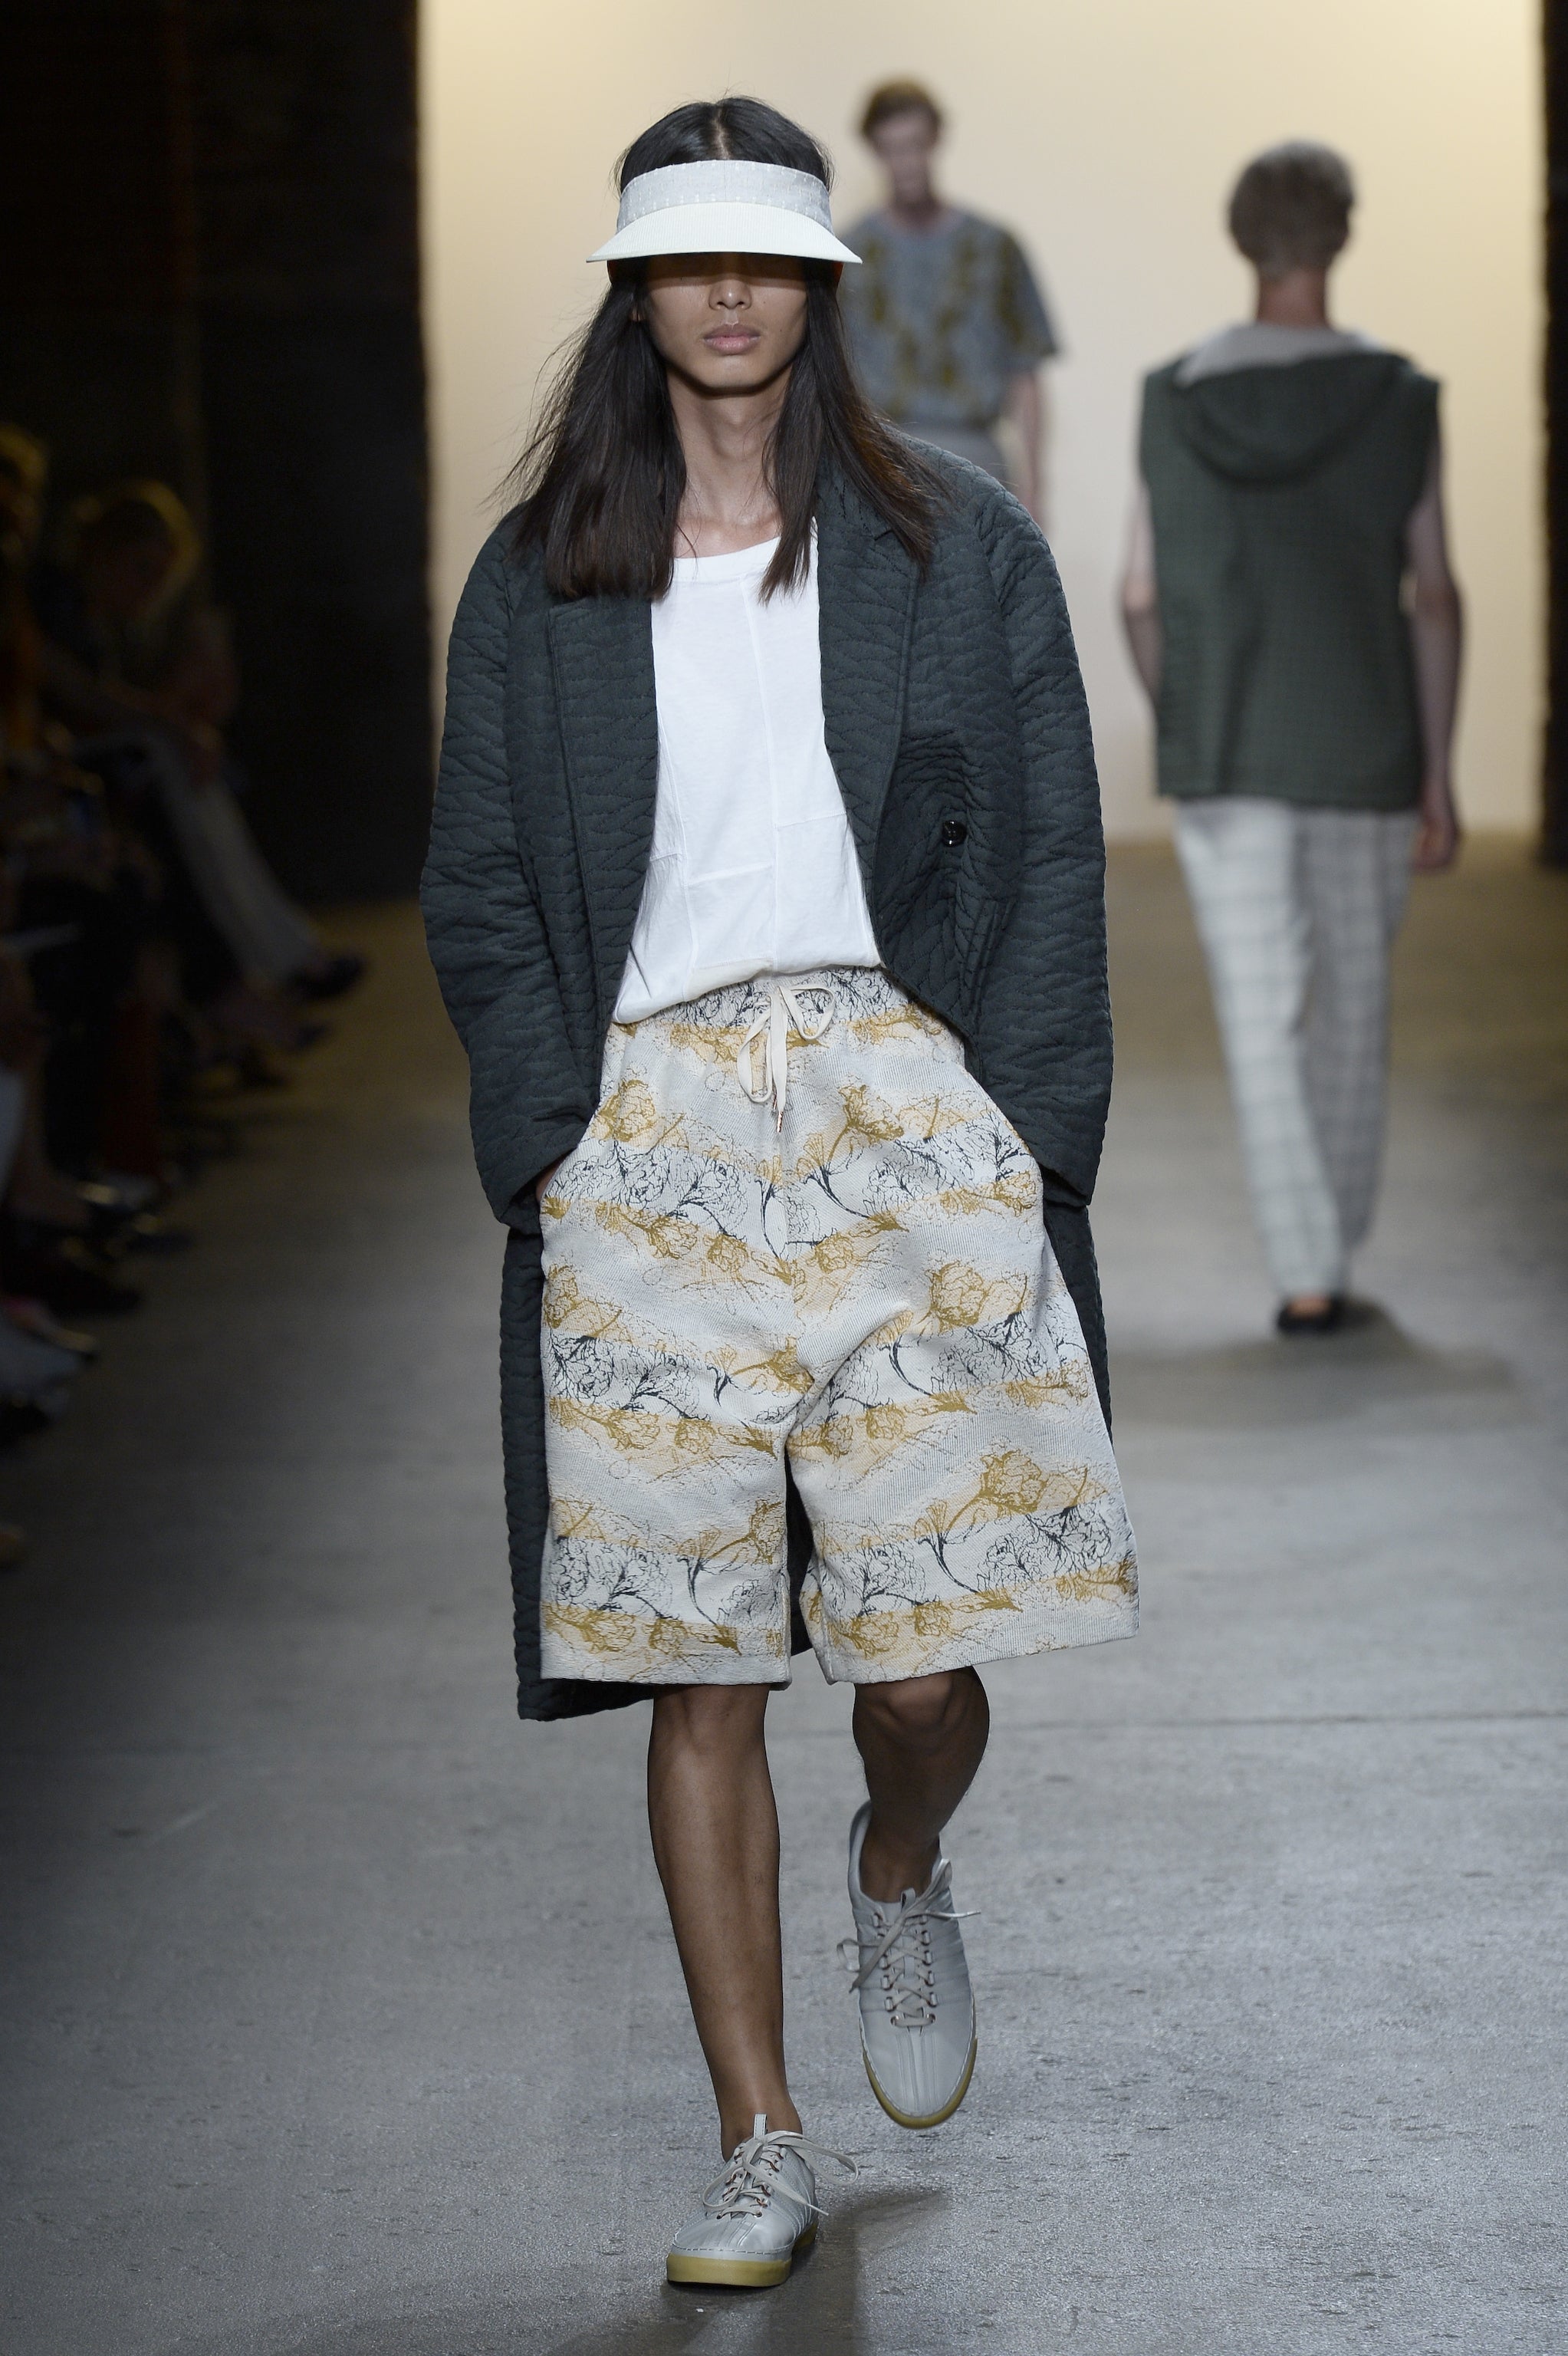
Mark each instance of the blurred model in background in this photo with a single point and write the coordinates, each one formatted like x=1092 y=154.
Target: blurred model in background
x=947 y=321
x=1292 y=616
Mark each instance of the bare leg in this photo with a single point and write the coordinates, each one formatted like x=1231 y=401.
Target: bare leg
x=920 y=1740
x=716 y=1844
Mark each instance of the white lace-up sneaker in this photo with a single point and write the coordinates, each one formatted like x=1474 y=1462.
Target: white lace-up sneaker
x=917 y=2010
x=754 y=2218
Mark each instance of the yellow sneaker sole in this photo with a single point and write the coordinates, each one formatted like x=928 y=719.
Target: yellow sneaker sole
x=902 y=2118
x=737 y=2273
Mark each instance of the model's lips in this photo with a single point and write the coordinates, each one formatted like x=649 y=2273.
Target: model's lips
x=732 y=340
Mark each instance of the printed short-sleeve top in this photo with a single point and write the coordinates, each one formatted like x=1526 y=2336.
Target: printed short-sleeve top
x=940 y=319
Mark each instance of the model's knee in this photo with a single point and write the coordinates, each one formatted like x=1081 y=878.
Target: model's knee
x=923 y=1712
x=710 y=1718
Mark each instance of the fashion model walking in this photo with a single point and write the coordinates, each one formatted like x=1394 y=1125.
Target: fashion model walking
x=947 y=324
x=765 y=892
x=1292 y=613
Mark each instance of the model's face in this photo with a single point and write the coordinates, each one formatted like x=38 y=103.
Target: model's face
x=727 y=322
x=906 y=144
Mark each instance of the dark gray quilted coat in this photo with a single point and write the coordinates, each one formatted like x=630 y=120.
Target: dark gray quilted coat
x=951 y=697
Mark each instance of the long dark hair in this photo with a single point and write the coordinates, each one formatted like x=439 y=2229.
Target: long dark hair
x=602 y=478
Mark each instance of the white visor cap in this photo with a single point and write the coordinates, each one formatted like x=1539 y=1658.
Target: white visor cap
x=724 y=207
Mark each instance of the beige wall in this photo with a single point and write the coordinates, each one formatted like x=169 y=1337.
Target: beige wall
x=1105 y=132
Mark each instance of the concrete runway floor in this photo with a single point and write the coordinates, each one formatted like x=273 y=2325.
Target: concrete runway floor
x=342 y=2013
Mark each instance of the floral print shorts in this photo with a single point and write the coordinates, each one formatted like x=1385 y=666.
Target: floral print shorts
x=857 y=1282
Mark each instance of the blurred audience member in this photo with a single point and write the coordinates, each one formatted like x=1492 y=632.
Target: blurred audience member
x=145 y=947
x=1291 y=612
x=947 y=324
x=271 y=940
x=131 y=655
x=24 y=471
x=105 y=607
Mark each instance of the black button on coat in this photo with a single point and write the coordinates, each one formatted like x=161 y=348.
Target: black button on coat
x=954 y=692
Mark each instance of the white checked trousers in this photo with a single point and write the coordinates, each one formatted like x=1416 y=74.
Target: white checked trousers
x=1297 y=909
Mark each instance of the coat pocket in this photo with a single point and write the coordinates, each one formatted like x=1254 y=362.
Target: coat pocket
x=945 y=856
x=925 y=838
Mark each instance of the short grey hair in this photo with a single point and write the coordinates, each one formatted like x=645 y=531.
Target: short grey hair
x=1291 y=207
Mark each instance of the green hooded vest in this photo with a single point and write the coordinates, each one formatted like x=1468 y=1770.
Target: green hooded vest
x=1280 y=497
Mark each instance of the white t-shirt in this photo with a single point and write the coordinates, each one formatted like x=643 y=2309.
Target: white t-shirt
x=753 y=868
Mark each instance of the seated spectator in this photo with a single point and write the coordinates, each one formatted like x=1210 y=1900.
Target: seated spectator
x=68 y=935
x=24 y=470
x=130 y=654
x=272 y=940
x=142 y=936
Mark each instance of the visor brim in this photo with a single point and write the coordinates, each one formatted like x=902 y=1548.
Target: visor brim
x=724 y=229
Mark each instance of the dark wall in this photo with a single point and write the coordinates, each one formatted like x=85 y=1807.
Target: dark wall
x=211 y=274
x=99 y=352
x=313 y=385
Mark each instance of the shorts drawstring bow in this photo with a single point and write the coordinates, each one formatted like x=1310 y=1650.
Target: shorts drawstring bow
x=771 y=1033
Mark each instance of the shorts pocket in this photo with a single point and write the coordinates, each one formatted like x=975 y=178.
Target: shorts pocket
x=988 y=1108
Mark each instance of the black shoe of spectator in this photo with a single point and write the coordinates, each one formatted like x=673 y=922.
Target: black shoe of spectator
x=149 y=1233
x=109 y=1224
x=255 y=1068
x=191 y=1142
x=19 y=1419
x=35 y=1317
x=65 y=1274
x=105 y=1243
x=116 y=1231
x=331 y=980
x=126 y=1194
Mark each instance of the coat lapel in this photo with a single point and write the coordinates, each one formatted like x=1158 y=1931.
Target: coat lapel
x=866 y=586
x=602 y=652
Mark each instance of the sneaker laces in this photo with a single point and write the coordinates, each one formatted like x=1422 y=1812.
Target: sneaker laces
x=903 y=1952
x=749 y=2181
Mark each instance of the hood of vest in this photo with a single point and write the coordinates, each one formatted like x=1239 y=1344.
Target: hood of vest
x=1282 y=424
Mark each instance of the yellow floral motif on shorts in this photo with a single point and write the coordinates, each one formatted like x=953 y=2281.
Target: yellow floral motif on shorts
x=760 y=1541
x=1016 y=1193
x=1069 y=1385
x=639 y=1648
x=567 y=1308
x=782 y=1367
x=959 y=1297
x=819 y=1272
x=664 y=1444
x=865 y=1294
x=631 y=1116
x=706 y=1257
x=861 y=1442
x=869 y=1119
x=887 y=1024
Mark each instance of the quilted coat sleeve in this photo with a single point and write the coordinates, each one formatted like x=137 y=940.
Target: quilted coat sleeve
x=1047 y=1018
x=482 y=922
